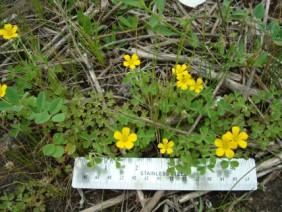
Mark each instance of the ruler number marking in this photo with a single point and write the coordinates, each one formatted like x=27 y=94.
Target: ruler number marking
x=85 y=178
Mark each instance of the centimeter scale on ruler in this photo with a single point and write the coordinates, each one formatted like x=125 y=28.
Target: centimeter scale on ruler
x=150 y=174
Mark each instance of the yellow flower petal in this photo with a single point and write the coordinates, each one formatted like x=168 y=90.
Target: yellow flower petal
x=120 y=144
x=198 y=90
x=165 y=141
x=14 y=30
x=235 y=130
x=8 y=27
x=117 y=135
x=160 y=145
x=163 y=151
x=218 y=142
x=2 y=32
x=243 y=144
x=227 y=136
x=184 y=87
x=3 y=90
x=183 y=67
x=229 y=153
x=243 y=136
x=135 y=57
x=199 y=81
x=137 y=62
x=219 y=152
x=132 y=137
x=169 y=150
x=233 y=145
x=129 y=145
x=191 y=83
x=126 y=57
x=125 y=63
x=125 y=131
x=170 y=144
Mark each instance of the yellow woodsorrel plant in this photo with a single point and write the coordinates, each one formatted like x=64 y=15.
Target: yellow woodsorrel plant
x=171 y=111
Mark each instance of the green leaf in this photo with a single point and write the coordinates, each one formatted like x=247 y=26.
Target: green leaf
x=278 y=43
x=259 y=11
x=118 y=164
x=98 y=160
x=234 y=164
x=55 y=106
x=70 y=148
x=84 y=135
x=12 y=96
x=58 y=138
x=4 y=106
x=124 y=21
x=202 y=170
x=153 y=21
x=239 y=14
x=204 y=131
x=224 y=164
x=154 y=88
x=274 y=29
x=187 y=169
x=171 y=171
x=164 y=31
x=40 y=101
x=86 y=144
x=160 y=5
x=42 y=118
x=261 y=60
x=49 y=149
x=135 y=3
x=59 y=117
x=193 y=39
x=59 y=151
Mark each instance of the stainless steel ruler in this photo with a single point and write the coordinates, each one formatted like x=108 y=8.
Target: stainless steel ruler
x=150 y=174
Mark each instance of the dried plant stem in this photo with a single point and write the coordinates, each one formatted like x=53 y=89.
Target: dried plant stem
x=155 y=199
x=108 y=203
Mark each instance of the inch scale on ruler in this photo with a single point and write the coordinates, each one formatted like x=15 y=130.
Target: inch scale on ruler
x=150 y=174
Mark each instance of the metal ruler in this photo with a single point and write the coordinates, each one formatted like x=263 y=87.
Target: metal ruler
x=150 y=174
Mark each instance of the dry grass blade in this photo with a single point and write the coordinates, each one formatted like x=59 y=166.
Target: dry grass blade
x=109 y=203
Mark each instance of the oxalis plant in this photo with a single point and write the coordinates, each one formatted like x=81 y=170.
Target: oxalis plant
x=175 y=118
x=176 y=103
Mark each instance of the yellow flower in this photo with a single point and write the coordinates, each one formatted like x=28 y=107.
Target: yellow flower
x=184 y=80
x=238 y=137
x=225 y=146
x=9 y=31
x=3 y=90
x=131 y=62
x=166 y=146
x=196 y=86
x=125 y=138
x=179 y=69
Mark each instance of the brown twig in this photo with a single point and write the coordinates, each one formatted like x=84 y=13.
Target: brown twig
x=155 y=199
